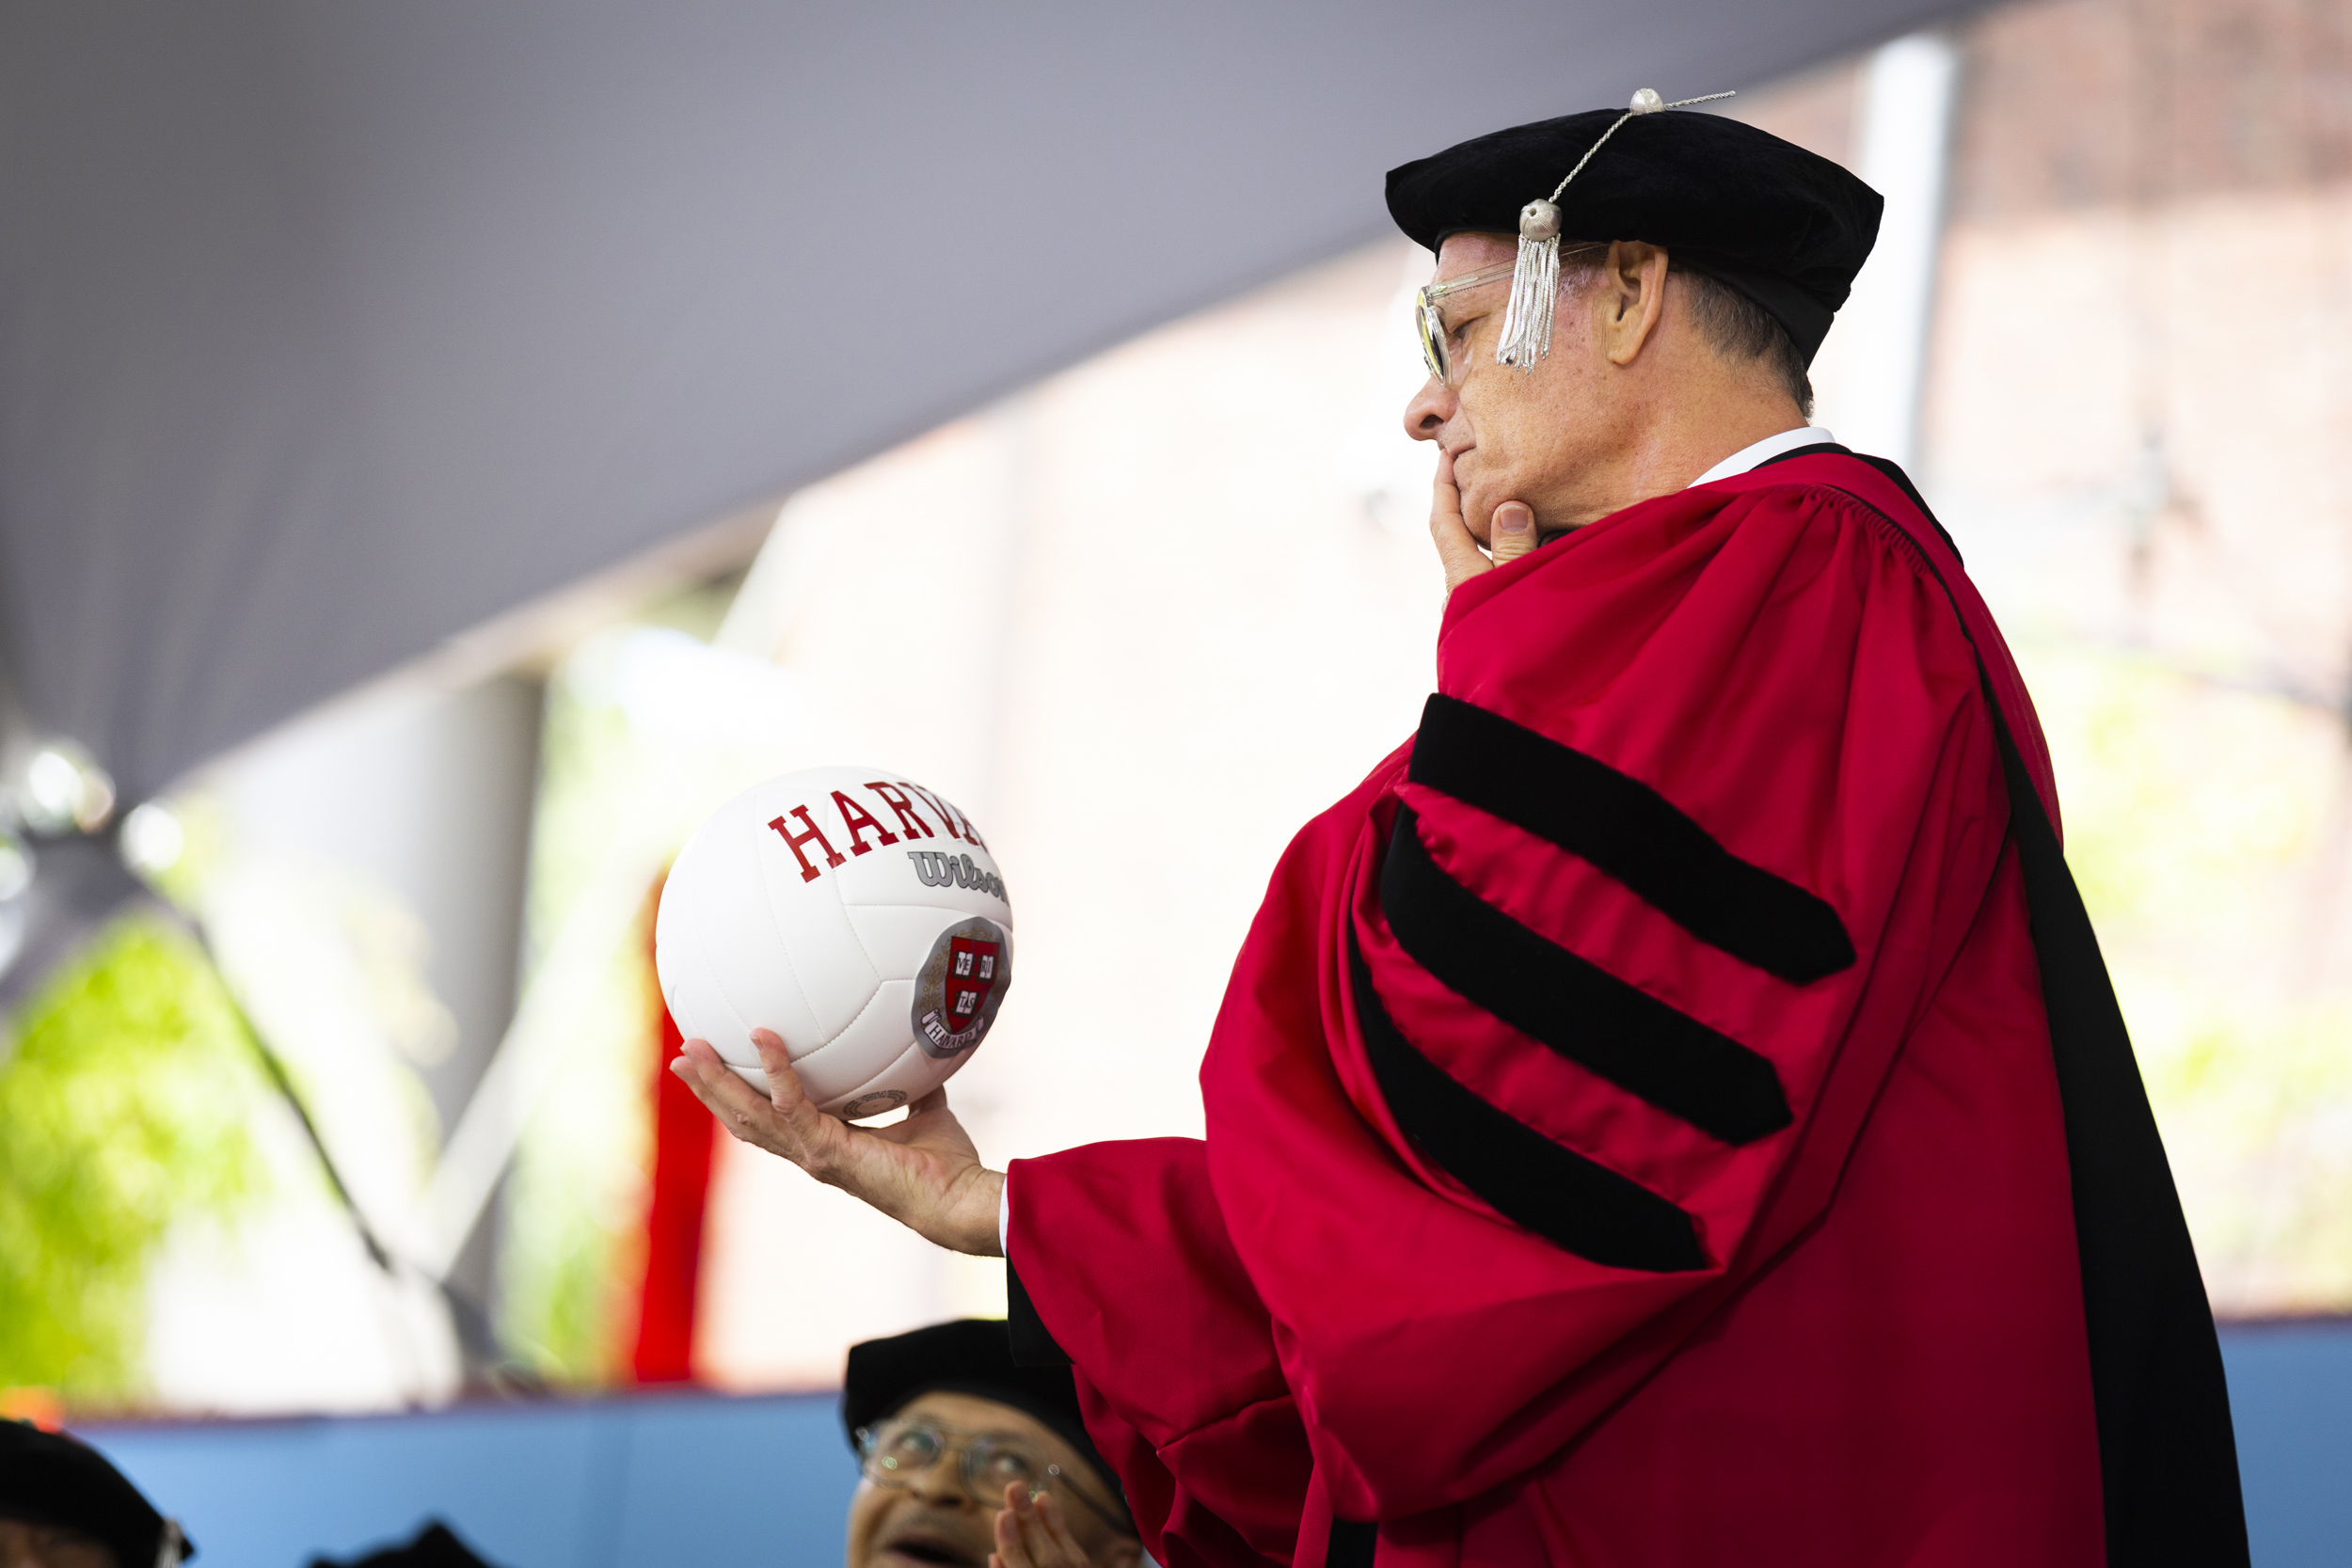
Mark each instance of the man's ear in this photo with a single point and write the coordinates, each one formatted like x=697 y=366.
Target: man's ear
x=1634 y=283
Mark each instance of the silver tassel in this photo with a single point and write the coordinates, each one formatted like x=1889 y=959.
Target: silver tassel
x=1534 y=287
x=1536 y=274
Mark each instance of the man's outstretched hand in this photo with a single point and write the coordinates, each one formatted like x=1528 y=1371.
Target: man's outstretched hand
x=1512 y=530
x=921 y=1172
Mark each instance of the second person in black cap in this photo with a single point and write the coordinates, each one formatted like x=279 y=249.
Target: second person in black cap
x=968 y=1460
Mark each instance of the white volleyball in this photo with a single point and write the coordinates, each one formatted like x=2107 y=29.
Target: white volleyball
x=858 y=915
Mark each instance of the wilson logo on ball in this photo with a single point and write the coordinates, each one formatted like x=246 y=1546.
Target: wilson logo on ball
x=935 y=869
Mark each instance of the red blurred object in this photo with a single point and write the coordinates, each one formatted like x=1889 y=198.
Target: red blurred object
x=683 y=1139
x=34 y=1404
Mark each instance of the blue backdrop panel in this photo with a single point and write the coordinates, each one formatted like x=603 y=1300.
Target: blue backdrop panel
x=640 y=1482
x=2291 y=1397
x=662 y=1481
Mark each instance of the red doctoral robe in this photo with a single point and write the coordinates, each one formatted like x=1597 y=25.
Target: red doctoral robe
x=1634 y=1132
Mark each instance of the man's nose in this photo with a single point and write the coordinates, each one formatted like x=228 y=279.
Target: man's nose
x=940 y=1484
x=941 y=1487
x=1429 y=410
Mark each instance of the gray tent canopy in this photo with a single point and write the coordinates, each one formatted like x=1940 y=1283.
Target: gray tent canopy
x=330 y=331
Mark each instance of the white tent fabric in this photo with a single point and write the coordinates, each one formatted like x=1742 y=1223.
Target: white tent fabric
x=330 y=331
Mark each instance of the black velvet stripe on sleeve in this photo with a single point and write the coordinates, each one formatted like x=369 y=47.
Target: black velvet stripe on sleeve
x=1632 y=833
x=1558 y=1193
x=1579 y=1009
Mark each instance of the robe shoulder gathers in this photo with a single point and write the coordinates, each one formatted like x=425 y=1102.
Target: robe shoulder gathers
x=1633 y=1133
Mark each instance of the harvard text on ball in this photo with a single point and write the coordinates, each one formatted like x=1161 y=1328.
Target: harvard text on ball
x=862 y=830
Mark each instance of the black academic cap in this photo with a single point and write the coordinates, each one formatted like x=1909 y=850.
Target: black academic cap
x=47 y=1478
x=436 y=1547
x=1787 y=228
x=970 y=1355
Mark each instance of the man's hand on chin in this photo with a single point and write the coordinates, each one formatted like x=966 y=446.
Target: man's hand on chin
x=921 y=1172
x=1513 y=528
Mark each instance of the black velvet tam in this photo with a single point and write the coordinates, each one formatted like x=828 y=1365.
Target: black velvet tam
x=970 y=1355
x=1787 y=228
x=436 y=1547
x=47 y=1478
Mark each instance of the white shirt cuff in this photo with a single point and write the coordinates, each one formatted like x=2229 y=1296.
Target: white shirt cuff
x=1004 y=1216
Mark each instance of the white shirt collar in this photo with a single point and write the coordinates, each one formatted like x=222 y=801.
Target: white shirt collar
x=1771 y=447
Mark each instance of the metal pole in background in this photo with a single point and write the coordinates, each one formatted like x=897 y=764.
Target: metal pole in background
x=1904 y=149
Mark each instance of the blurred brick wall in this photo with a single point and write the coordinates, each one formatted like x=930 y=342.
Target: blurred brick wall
x=2089 y=103
x=2139 y=395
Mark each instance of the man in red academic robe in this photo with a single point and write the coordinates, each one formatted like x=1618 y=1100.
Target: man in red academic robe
x=1673 y=1110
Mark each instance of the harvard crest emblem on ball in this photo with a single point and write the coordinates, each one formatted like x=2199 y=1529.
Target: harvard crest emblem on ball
x=960 y=986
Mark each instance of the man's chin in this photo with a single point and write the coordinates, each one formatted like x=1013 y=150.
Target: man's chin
x=1478 y=515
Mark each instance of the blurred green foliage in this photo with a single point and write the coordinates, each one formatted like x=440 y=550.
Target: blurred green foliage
x=574 y=1202
x=123 y=1106
x=574 y=1199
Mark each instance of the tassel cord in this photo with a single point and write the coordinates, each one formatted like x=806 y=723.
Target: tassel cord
x=1678 y=103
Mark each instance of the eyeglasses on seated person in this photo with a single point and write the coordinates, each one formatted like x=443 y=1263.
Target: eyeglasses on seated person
x=893 y=1452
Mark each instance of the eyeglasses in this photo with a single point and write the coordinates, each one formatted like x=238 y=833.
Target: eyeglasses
x=897 y=1451
x=1430 y=321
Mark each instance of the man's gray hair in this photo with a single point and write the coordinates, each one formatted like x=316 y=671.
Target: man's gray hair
x=1734 y=326
x=1737 y=327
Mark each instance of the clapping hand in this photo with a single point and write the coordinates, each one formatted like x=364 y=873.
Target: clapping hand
x=1034 y=1534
